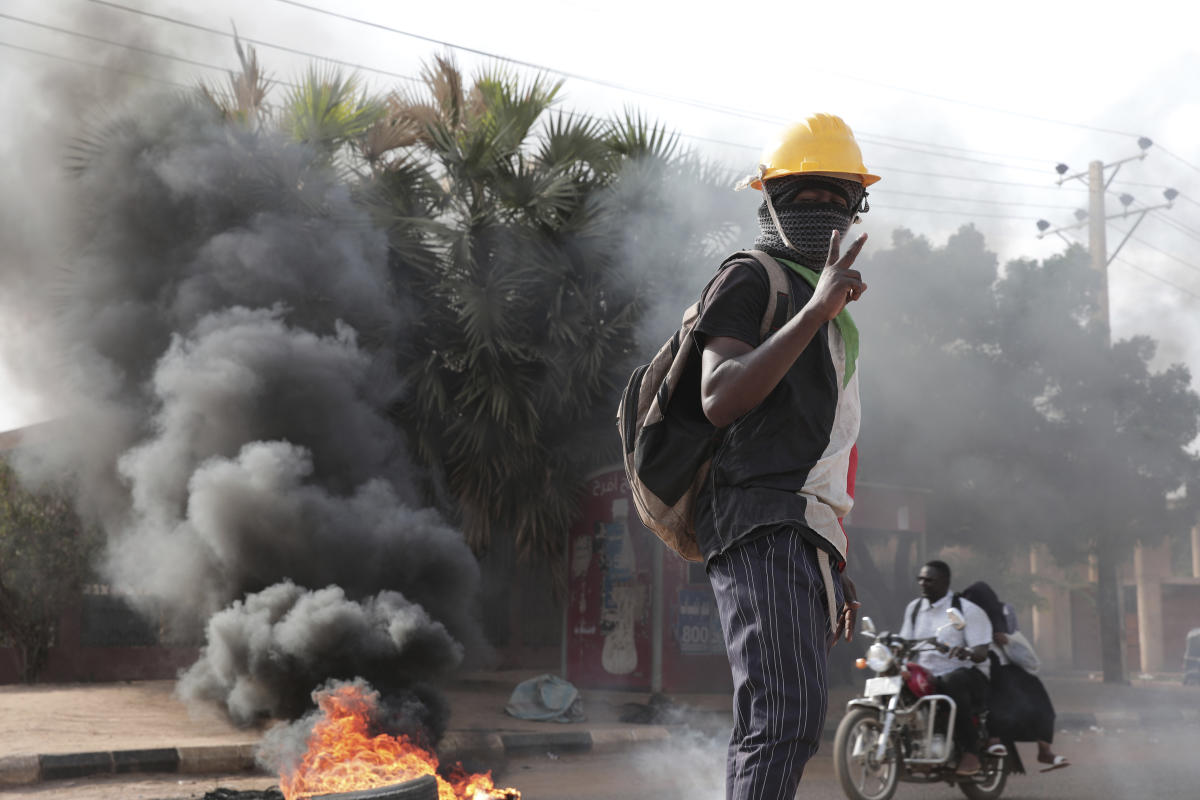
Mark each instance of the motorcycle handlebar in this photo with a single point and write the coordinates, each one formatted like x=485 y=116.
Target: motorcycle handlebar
x=913 y=645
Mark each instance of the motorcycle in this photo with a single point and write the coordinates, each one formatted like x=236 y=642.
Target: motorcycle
x=901 y=729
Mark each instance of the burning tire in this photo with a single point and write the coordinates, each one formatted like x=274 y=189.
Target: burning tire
x=423 y=788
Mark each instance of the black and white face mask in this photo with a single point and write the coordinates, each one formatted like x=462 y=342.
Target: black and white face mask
x=806 y=226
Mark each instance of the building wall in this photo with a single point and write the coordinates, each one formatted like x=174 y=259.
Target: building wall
x=92 y=646
x=521 y=609
x=1067 y=629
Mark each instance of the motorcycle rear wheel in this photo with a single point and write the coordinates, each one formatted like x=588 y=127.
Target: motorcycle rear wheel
x=863 y=777
x=991 y=785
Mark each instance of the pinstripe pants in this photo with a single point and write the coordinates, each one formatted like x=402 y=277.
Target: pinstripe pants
x=771 y=598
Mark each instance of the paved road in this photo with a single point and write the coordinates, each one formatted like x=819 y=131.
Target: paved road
x=1121 y=765
x=1133 y=765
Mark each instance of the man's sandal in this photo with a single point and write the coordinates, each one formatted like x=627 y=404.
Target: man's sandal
x=1058 y=762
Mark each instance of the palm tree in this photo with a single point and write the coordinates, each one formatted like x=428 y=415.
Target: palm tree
x=528 y=300
x=529 y=244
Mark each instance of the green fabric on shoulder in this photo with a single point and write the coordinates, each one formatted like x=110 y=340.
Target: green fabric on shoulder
x=843 y=321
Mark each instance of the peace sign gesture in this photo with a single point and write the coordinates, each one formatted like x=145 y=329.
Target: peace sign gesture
x=839 y=283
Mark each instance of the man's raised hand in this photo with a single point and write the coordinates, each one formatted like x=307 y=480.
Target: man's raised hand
x=839 y=282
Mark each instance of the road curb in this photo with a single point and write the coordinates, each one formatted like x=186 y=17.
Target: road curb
x=25 y=769
x=199 y=759
x=563 y=742
x=18 y=770
x=615 y=739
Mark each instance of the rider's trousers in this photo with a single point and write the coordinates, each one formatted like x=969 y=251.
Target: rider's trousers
x=969 y=687
x=776 y=621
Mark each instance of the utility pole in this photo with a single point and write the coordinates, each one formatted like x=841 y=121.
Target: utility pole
x=1108 y=577
x=1109 y=602
x=1097 y=241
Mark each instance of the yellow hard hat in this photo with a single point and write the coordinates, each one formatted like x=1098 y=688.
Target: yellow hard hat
x=822 y=144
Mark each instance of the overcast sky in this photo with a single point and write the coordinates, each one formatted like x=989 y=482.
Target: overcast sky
x=963 y=108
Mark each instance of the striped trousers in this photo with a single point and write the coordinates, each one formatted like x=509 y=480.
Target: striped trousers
x=774 y=613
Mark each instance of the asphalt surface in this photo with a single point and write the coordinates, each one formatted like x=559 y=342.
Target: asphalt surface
x=1130 y=765
x=137 y=741
x=1121 y=765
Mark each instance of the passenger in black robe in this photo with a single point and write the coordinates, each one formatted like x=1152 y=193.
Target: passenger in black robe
x=1020 y=707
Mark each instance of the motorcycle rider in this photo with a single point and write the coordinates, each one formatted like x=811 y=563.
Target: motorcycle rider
x=966 y=683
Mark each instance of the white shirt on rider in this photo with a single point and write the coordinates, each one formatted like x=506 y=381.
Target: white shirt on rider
x=978 y=631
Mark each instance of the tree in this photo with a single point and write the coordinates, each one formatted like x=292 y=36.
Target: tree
x=526 y=240
x=1119 y=431
x=526 y=247
x=45 y=556
x=997 y=391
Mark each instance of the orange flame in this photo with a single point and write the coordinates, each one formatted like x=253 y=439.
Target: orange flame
x=342 y=757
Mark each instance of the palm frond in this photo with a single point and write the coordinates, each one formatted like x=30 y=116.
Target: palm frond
x=634 y=136
x=401 y=124
x=575 y=142
x=445 y=85
x=512 y=106
x=244 y=101
x=329 y=109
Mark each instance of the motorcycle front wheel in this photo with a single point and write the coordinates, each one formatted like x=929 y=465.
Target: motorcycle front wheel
x=989 y=783
x=862 y=775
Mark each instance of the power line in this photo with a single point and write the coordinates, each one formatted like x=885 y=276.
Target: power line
x=1157 y=249
x=1009 y=156
x=265 y=44
x=1140 y=183
x=137 y=49
x=710 y=106
x=360 y=66
x=890 y=207
x=410 y=78
x=870 y=139
x=882 y=192
x=1180 y=159
x=888 y=192
x=1170 y=222
x=259 y=42
x=102 y=40
x=1147 y=273
x=937 y=152
x=532 y=65
x=575 y=114
x=979 y=180
x=205 y=65
x=182 y=86
x=1179 y=226
x=93 y=65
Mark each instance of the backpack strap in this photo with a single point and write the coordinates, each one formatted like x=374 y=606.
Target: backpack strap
x=955 y=602
x=779 y=292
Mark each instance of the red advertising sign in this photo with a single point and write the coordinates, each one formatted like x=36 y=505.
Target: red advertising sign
x=608 y=596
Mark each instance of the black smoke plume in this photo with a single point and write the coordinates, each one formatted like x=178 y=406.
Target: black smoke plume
x=223 y=337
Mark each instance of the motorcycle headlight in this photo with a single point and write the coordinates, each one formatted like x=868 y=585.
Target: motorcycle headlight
x=879 y=657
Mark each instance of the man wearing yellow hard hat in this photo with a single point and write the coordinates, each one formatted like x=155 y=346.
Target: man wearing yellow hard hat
x=768 y=520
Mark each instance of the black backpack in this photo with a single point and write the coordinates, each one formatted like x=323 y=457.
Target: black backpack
x=666 y=440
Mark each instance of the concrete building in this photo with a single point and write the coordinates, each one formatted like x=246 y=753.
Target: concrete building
x=1160 y=595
